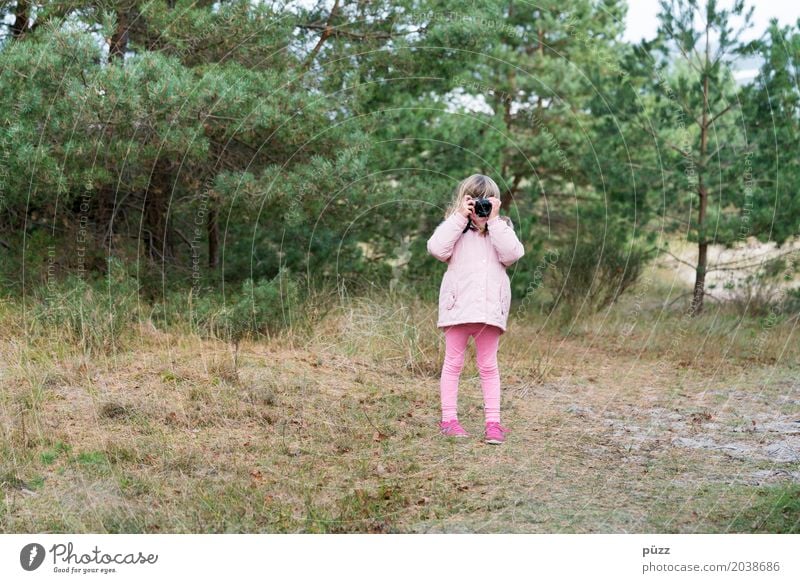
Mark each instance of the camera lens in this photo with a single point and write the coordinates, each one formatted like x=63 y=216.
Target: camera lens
x=483 y=207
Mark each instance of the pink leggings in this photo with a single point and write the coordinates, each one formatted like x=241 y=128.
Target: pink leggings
x=487 y=338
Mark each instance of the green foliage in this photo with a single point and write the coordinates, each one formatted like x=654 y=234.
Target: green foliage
x=168 y=139
x=766 y=192
x=791 y=303
x=49 y=456
x=770 y=509
x=92 y=458
x=242 y=140
x=592 y=273
x=91 y=314
x=261 y=307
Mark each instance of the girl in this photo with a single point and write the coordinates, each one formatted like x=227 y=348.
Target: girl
x=474 y=296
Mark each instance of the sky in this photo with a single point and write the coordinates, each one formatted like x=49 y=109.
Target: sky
x=642 y=22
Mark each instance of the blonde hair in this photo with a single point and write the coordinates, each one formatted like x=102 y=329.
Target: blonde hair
x=476 y=186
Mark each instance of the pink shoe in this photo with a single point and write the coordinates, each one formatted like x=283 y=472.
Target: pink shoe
x=452 y=428
x=495 y=433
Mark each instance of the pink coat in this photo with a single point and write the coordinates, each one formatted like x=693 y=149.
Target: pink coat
x=475 y=287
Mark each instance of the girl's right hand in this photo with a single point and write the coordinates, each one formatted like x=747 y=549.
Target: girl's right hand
x=466 y=206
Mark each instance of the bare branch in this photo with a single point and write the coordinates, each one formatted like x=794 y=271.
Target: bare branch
x=676 y=258
x=720 y=114
x=339 y=32
x=669 y=144
x=327 y=30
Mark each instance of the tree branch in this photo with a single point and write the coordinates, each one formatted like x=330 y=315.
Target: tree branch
x=332 y=31
x=668 y=144
x=676 y=258
x=679 y=297
x=720 y=114
x=327 y=30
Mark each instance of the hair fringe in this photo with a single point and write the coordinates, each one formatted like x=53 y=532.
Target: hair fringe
x=476 y=185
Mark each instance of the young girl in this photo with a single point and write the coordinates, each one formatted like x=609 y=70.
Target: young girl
x=474 y=297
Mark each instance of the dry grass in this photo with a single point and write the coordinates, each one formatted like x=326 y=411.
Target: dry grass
x=616 y=428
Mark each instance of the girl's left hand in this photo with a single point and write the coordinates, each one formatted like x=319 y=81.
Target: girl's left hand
x=495 y=207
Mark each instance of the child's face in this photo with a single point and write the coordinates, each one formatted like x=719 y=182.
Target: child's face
x=479 y=221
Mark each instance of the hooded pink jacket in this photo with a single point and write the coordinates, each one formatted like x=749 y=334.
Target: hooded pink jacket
x=475 y=287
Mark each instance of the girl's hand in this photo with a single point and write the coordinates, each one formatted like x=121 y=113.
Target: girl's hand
x=466 y=206
x=495 y=207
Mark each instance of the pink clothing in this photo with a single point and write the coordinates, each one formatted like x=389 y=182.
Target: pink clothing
x=475 y=287
x=487 y=338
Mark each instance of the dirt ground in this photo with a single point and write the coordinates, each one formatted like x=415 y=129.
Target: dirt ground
x=167 y=437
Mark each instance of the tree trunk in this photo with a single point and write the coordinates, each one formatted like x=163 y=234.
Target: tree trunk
x=22 y=15
x=213 y=233
x=700 y=279
x=104 y=216
x=119 y=40
x=702 y=243
x=507 y=197
x=157 y=230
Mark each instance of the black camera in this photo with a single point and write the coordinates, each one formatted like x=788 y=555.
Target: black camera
x=483 y=207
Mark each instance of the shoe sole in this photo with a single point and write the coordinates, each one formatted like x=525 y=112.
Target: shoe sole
x=494 y=441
